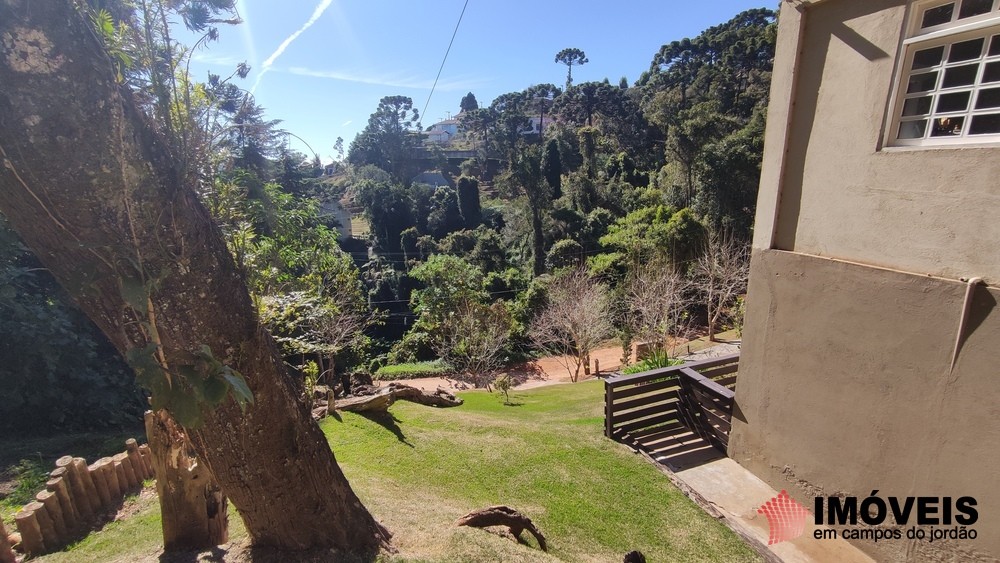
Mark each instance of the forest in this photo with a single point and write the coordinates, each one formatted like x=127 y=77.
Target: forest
x=163 y=247
x=638 y=196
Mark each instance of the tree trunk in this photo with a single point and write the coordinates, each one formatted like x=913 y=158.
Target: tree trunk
x=192 y=507
x=6 y=554
x=91 y=188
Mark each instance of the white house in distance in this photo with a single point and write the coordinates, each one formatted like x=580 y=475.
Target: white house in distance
x=871 y=352
x=443 y=131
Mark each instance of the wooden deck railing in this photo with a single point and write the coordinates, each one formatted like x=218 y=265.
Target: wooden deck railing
x=695 y=397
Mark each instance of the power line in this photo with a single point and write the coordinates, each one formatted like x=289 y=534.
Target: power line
x=453 y=34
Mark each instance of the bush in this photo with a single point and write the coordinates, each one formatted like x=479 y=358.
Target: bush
x=414 y=370
x=656 y=360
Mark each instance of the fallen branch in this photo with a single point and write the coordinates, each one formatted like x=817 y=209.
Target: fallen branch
x=384 y=397
x=503 y=516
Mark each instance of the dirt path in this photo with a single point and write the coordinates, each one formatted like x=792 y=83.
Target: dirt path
x=552 y=371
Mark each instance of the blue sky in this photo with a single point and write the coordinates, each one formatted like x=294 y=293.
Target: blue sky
x=321 y=66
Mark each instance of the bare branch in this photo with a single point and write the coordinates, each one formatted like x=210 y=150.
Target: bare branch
x=721 y=275
x=473 y=339
x=659 y=300
x=575 y=320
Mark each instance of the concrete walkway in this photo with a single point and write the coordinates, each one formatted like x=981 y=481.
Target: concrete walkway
x=728 y=491
x=737 y=494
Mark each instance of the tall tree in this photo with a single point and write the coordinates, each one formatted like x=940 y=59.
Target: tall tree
x=468 y=201
x=540 y=97
x=552 y=168
x=569 y=57
x=94 y=190
x=389 y=138
x=468 y=102
x=524 y=176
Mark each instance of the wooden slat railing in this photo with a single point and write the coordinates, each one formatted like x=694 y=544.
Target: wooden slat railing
x=697 y=397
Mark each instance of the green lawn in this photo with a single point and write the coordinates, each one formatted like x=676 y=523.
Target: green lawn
x=435 y=368
x=422 y=468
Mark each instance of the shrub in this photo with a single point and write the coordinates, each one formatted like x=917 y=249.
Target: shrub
x=414 y=370
x=656 y=360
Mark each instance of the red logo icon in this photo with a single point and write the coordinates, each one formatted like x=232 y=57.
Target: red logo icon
x=786 y=518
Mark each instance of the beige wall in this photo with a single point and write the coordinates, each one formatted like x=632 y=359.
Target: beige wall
x=930 y=211
x=845 y=386
x=854 y=303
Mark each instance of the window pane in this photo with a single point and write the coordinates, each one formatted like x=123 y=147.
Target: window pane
x=974 y=8
x=928 y=57
x=992 y=73
x=938 y=16
x=947 y=126
x=922 y=82
x=912 y=129
x=994 y=46
x=987 y=99
x=953 y=102
x=966 y=50
x=917 y=106
x=960 y=76
x=985 y=124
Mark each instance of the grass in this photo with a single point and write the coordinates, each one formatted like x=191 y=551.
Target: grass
x=419 y=469
x=359 y=226
x=547 y=457
x=435 y=368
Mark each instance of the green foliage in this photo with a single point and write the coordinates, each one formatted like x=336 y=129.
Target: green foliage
x=468 y=201
x=388 y=210
x=738 y=315
x=445 y=215
x=468 y=102
x=565 y=253
x=552 y=168
x=685 y=237
x=30 y=475
x=413 y=370
x=608 y=265
x=311 y=372
x=448 y=281
x=390 y=137
x=503 y=384
x=655 y=360
x=186 y=389
x=569 y=57
x=707 y=96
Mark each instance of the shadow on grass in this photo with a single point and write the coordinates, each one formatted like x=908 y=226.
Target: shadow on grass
x=215 y=555
x=387 y=420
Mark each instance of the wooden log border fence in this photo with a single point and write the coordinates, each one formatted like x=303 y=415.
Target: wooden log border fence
x=76 y=498
x=697 y=396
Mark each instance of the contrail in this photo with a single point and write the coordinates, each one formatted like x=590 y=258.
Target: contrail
x=266 y=65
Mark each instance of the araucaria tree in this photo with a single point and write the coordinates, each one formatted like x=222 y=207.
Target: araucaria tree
x=389 y=138
x=569 y=57
x=574 y=321
x=96 y=193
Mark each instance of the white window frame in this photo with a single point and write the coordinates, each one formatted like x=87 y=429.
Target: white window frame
x=917 y=39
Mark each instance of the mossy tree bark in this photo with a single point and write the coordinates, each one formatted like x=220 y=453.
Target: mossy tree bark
x=90 y=186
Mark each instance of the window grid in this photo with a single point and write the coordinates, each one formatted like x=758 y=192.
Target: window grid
x=950 y=86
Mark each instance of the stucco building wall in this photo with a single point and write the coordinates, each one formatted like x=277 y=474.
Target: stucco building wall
x=855 y=299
